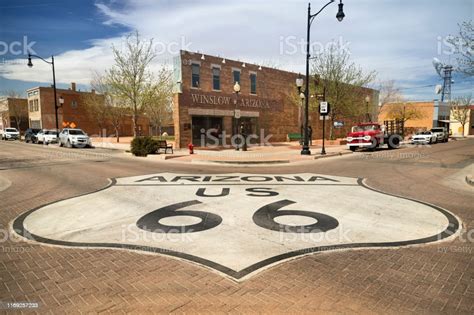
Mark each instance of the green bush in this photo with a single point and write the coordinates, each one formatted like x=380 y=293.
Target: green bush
x=142 y=146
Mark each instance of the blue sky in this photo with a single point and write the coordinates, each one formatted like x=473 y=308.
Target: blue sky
x=396 y=38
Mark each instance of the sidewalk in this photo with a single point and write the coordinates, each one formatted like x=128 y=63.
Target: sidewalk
x=278 y=153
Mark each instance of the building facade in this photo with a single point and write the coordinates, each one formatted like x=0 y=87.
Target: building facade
x=456 y=129
x=206 y=107
x=73 y=113
x=430 y=114
x=13 y=113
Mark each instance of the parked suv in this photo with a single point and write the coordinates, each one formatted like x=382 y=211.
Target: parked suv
x=30 y=135
x=10 y=134
x=441 y=134
x=74 y=138
x=46 y=136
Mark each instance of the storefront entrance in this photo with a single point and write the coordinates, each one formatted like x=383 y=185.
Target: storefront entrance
x=206 y=130
x=247 y=126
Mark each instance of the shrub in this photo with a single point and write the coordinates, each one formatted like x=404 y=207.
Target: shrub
x=142 y=146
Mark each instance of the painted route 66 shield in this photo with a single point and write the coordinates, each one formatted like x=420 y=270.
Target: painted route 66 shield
x=236 y=224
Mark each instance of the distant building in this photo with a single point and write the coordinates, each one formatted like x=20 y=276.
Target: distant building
x=11 y=110
x=205 y=100
x=73 y=113
x=456 y=127
x=432 y=114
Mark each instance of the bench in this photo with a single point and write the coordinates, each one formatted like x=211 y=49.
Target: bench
x=162 y=144
x=294 y=136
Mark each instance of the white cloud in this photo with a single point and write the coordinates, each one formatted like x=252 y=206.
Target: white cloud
x=396 y=38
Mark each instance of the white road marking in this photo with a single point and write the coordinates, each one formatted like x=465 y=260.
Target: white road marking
x=237 y=226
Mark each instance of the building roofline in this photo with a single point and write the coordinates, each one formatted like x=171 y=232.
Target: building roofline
x=57 y=89
x=411 y=102
x=182 y=51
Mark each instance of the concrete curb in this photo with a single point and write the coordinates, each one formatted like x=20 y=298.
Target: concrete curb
x=249 y=162
x=331 y=155
x=242 y=162
x=470 y=180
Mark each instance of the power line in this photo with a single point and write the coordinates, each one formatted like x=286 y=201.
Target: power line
x=417 y=87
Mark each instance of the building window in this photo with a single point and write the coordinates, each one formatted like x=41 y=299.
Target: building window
x=236 y=75
x=74 y=104
x=196 y=72
x=33 y=93
x=253 y=83
x=216 y=79
x=33 y=105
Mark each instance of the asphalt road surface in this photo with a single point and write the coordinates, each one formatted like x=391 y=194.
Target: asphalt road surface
x=237 y=246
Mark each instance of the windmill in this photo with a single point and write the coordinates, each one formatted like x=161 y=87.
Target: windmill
x=444 y=71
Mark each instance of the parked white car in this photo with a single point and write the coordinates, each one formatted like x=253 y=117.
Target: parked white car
x=424 y=137
x=441 y=133
x=74 y=138
x=10 y=134
x=46 y=136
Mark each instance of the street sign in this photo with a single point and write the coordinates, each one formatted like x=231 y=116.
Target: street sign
x=237 y=113
x=324 y=108
x=325 y=117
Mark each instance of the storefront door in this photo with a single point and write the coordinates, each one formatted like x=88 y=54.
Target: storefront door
x=206 y=130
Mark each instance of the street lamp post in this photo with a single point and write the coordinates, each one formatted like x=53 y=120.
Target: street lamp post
x=30 y=64
x=237 y=91
x=302 y=97
x=340 y=16
x=367 y=100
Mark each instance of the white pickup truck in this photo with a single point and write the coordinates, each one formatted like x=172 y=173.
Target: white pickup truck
x=10 y=134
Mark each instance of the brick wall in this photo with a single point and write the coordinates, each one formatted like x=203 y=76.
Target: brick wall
x=273 y=87
x=74 y=113
x=424 y=123
x=9 y=109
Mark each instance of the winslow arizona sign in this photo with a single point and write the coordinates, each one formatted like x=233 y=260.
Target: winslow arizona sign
x=237 y=224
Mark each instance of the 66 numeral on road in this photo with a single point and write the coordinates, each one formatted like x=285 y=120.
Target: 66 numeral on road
x=263 y=217
x=150 y=222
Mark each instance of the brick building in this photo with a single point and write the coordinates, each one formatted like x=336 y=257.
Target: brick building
x=73 y=113
x=13 y=113
x=204 y=99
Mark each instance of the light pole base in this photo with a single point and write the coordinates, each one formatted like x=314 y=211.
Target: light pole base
x=305 y=151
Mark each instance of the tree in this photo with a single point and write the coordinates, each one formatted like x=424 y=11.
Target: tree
x=388 y=93
x=463 y=45
x=106 y=106
x=117 y=111
x=158 y=100
x=17 y=110
x=94 y=102
x=404 y=111
x=460 y=110
x=343 y=82
x=130 y=76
